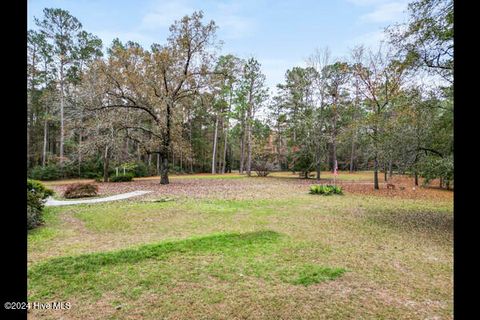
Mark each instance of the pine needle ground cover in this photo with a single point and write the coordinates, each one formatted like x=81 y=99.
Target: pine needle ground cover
x=277 y=254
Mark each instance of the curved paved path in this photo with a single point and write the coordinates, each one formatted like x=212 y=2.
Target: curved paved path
x=53 y=202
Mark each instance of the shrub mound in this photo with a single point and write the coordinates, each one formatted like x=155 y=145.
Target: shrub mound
x=325 y=190
x=49 y=172
x=36 y=195
x=80 y=190
x=122 y=178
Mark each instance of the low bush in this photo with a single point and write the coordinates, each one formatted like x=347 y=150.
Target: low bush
x=263 y=163
x=122 y=178
x=325 y=190
x=34 y=210
x=80 y=190
x=141 y=170
x=39 y=188
x=176 y=169
x=36 y=195
x=49 y=172
x=91 y=175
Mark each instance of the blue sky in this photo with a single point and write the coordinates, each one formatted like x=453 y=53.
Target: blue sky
x=280 y=34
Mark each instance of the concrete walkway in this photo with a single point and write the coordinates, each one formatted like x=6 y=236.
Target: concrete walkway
x=53 y=202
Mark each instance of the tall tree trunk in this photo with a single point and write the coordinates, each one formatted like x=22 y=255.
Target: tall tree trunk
x=416 y=178
x=249 y=140
x=318 y=163
x=214 y=153
x=28 y=144
x=80 y=153
x=329 y=162
x=249 y=152
x=106 y=160
x=30 y=103
x=45 y=141
x=279 y=147
x=225 y=134
x=334 y=138
x=354 y=135
x=181 y=161
x=164 y=168
x=158 y=164
x=242 y=149
x=62 y=107
x=191 y=141
x=225 y=139
x=375 y=141
x=230 y=159
x=166 y=146
x=375 y=173
x=334 y=153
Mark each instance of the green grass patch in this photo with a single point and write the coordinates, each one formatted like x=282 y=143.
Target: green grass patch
x=48 y=230
x=234 y=243
x=325 y=190
x=226 y=256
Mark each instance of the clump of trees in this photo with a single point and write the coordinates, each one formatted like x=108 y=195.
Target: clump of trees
x=370 y=111
x=179 y=106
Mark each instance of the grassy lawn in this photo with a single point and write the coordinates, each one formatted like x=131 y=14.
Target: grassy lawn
x=281 y=254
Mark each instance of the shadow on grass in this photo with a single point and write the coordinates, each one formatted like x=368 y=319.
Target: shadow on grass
x=233 y=243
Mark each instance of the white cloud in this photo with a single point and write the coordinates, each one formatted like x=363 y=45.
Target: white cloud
x=370 y=39
x=385 y=12
x=164 y=14
x=233 y=24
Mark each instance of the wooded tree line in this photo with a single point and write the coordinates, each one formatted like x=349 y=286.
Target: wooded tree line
x=180 y=106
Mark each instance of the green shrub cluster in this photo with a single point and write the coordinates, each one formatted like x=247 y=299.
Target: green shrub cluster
x=92 y=169
x=80 y=190
x=122 y=178
x=39 y=188
x=49 y=172
x=325 y=190
x=141 y=170
x=176 y=169
x=36 y=195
